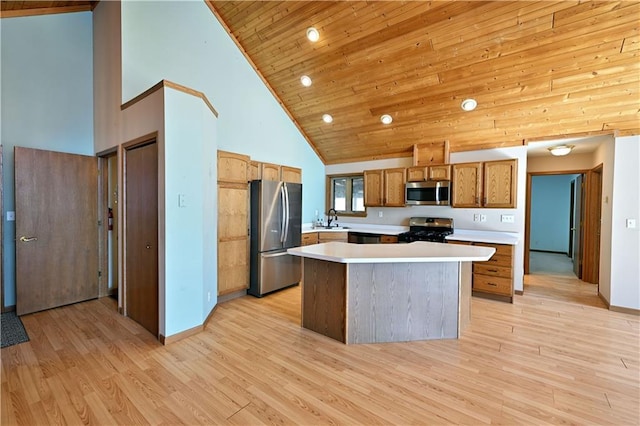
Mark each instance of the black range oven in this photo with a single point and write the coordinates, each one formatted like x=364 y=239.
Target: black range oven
x=434 y=229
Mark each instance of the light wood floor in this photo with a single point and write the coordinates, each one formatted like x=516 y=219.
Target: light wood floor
x=541 y=360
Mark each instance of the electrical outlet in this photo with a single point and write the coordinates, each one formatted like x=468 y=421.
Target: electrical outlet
x=483 y=218
x=11 y=216
x=507 y=218
x=631 y=223
x=476 y=218
x=380 y=214
x=182 y=200
x=208 y=296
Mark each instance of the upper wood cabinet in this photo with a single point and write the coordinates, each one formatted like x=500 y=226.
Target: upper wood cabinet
x=466 y=185
x=432 y=153
x=291 y=174
x=500 y=182
x=422 y=173
x=491 y=184
x=270 y=171
x=384 y=187
x=232 y=167
x=373 y=191
x=255 y=170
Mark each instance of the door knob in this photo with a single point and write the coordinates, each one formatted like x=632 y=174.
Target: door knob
x=148 y=246
x=28 y=239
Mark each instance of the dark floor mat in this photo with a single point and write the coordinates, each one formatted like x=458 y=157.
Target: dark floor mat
x=12 y=330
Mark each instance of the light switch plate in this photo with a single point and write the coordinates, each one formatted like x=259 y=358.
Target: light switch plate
x=182 y=200
x=11 y=216
x=631 y=223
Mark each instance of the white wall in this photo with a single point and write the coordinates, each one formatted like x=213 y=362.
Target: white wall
x=463 y=218
x=183 y=42
x=46 y=100
x=190 y=230
x=625 y=246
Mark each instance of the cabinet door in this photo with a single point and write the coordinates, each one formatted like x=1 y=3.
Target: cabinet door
x=500 y=183
x=309 y=238
x=232 y=167
x=233 y=240
x=255 y=170
x=467 y=183
x=417 y=174
x=373 y=188
x=291 y=174
x=394 y=181
x=431 y=153
x=270 y=171
x=440 y=172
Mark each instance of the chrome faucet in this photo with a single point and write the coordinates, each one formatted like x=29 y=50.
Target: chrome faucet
x=329 y=219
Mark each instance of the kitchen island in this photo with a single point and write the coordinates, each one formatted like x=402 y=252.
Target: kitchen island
x=373 y=293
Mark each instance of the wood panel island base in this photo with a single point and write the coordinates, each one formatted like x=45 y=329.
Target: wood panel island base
x=374 y=293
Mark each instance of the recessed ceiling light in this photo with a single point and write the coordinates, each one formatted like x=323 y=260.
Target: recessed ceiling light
x=327 y=118
x=386 y=119
x=305 y=80
x=469 y=104
x=560 y=150
x=313 y=34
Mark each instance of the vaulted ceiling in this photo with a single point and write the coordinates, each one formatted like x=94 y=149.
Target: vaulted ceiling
x=538 y=69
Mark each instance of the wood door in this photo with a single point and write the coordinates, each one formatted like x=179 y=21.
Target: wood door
x=56 y=229
x=577 y=228
x=141 y=235
x=373 y=196
x=467 y=184
x=394 y=181
x=592 y=212
x=499 y=189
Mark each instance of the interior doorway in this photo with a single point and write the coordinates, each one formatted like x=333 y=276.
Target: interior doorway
x=110 y=276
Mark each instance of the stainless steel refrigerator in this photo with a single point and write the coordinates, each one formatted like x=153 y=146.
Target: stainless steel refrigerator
x=276 y=223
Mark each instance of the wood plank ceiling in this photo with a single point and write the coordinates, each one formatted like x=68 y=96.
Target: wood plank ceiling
x=538 y=69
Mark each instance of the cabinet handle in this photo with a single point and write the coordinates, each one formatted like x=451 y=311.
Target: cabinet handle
x=484 y=202
x=492 y=284
x=492 y=270
x=477 y=200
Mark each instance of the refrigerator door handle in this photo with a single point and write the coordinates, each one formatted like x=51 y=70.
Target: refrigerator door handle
x=286 y=213
x=283 y=221
x=282 y=253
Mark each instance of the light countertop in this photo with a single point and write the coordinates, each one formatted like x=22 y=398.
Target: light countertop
x=418 y=251
x=357 y=227
x=495 y=237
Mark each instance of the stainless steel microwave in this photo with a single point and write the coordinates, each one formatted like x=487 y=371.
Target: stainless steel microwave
x=428 y=193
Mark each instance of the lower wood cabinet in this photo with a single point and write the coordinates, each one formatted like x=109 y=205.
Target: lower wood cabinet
x=309 y=238
x=493 y=278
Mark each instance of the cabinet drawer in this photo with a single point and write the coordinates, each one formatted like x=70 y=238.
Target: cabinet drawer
x=324 y=237
x=499 y=260
x=388 y=239
x=492 y=270
x=496 y=285
x=501 y=249
x=309 y=238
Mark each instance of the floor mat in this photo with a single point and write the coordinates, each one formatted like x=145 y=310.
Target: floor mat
x=12 y=330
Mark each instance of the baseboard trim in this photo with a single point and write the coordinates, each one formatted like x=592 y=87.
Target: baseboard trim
x=206 y=321
x=9 y=308
x=519 y=292
x=550 y=251
x=621 y=309
x=624 y=310
x=231 y=296
x=179 y=336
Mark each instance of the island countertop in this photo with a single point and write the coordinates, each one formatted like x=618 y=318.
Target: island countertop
x=416 y=252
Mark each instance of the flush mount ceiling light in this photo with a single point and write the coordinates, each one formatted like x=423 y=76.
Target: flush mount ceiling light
x=386 y=119
x=560 y=150
x=327 y=118
x=305 y=80
x=469 y=104
x=313 y=34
